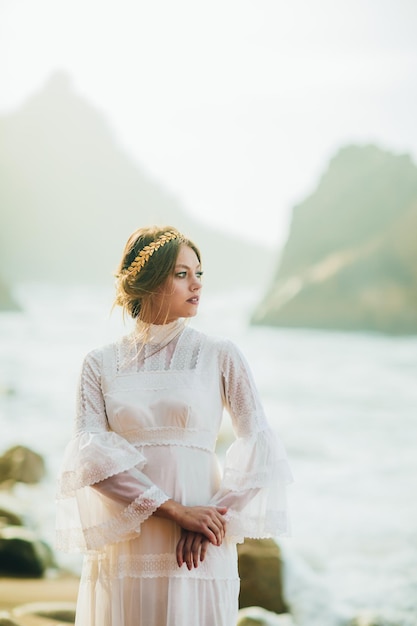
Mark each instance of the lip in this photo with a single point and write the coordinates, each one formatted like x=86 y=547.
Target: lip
x=194 y=300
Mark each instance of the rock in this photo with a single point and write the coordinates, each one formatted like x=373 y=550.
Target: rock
x=60 y=611
x=350 y=261
x=6 y=620
x=20 y=464
x=260 y=570
x=22 y=553
x=250 y=621
x=9 y=518
x=256 y=616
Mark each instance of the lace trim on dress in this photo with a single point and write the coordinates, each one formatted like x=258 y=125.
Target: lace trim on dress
x=240 y=527
x=156 y=566
x=169 y=348
x=122 y=527
x=92 y=472
x=70 y=482
x=129 y=520
x=149 y=347
x=172 y=435
x=187 y=353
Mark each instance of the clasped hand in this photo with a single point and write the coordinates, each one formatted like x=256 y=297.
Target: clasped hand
x=200 y=525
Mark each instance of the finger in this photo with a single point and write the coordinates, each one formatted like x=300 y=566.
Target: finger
x=210 y=534
x=218 y=534
x=220 y=521
x=180 y=551
x=200 y=543
x=221 y=512
x=196 y=549
x=187 y=550
x=218 y=527
x=203 y=549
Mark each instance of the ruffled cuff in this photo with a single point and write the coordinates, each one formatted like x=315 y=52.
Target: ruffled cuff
x=254 y=487
x=268 y=526
x=122 y=525
x=92 y=457
x=258 y=460
x=89 y=517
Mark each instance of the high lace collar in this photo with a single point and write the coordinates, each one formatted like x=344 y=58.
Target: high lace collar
x=157 y=334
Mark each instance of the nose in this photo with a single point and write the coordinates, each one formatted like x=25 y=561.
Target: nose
x=196 y=284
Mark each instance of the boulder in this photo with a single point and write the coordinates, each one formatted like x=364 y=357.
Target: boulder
x=256 y=616
x=22 y=553
x=6 y=620
x=20 y=464
x=260 y=570
x=10 y=518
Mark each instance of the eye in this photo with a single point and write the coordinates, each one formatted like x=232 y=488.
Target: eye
x=199 y=274
x=181 y=274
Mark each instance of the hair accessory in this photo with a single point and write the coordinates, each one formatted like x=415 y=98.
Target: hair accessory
x=146 y=252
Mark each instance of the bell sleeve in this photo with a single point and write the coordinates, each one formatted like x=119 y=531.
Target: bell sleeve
x=256 y=469
x=103 y=496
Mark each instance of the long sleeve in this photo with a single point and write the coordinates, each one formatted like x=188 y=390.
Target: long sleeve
x=256 y=468
x=103 y=495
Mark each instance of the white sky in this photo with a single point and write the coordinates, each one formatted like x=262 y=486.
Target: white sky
x=235 y=105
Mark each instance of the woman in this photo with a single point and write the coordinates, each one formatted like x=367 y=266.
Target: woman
x=141 y=492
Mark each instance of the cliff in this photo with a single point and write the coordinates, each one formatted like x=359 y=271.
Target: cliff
x=71 y=195
x=350 y=261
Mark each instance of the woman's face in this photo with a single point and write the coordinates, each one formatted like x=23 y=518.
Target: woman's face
x=179 y=296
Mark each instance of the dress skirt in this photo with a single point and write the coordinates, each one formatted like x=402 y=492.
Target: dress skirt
x=156 y=592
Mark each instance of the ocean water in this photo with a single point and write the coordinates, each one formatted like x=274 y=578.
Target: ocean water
x=344 y=404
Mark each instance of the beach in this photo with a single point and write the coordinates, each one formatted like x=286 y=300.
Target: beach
x=16 y=592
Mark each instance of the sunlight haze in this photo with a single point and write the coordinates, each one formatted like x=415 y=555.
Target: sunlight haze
x=234 y=106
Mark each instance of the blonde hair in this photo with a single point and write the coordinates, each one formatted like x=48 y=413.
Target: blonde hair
x=134 y=290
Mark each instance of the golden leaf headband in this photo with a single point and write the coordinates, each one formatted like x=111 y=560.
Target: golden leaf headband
x=147 y=251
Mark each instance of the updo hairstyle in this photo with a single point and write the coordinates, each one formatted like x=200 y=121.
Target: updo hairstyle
x=134 y=290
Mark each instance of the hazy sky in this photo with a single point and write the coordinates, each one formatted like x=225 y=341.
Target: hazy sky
x=235 y=105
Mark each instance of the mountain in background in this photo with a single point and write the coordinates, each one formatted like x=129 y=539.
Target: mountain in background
x=350 y=261
x=70 y=196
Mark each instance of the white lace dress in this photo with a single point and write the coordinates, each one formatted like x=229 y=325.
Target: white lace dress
x=146 y=429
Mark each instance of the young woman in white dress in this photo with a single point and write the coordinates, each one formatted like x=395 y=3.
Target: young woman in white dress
x=141 y=491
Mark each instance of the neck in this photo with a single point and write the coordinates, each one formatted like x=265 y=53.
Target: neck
x=148 y=332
